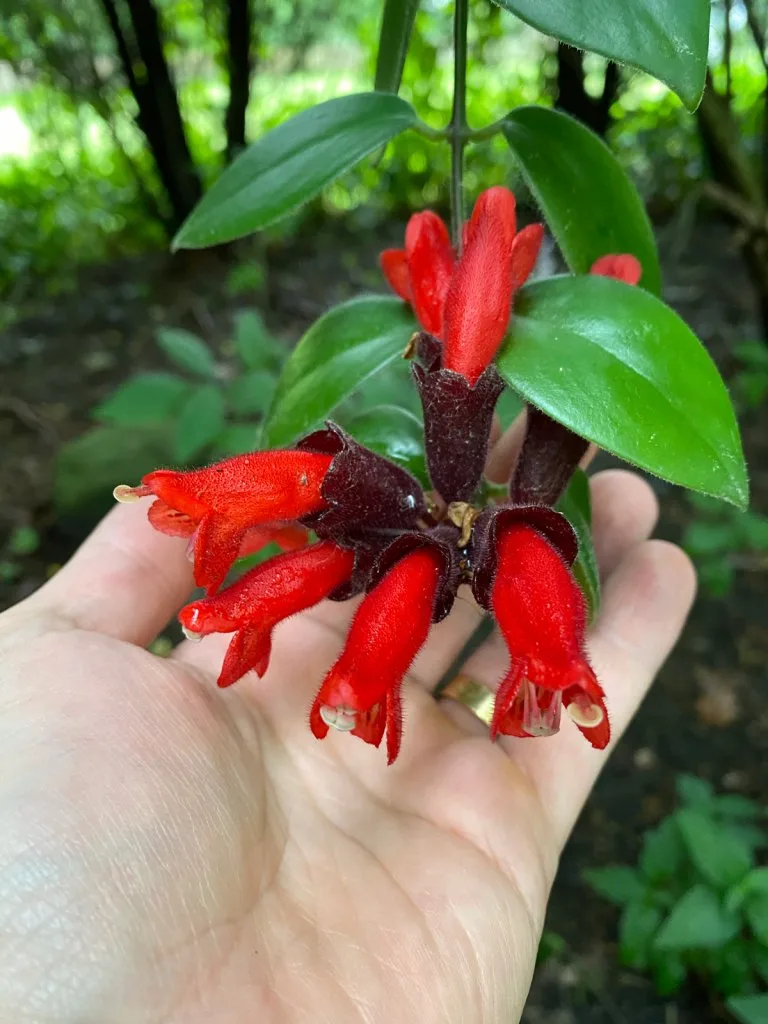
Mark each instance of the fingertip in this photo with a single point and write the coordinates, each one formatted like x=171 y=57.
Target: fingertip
x=625 y=511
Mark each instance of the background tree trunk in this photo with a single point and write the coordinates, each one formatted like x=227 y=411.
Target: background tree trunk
x=239 y=68
x=572 y=97
x=142 y=56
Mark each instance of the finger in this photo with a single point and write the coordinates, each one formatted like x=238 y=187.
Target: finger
x=624 y=513
x=126 y=580
x=503 y=454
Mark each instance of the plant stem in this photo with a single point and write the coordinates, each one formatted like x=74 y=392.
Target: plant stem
x=458 y=126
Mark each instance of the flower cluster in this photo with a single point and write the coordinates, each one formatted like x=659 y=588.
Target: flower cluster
x=378 y=533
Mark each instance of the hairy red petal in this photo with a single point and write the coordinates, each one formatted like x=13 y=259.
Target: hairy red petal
x=216 y=544
x=525 y=252
x=289 y=538
x=261 y=487
x=169 y=521
x=479 y=299
x=541 y=613
x=430 y=265
x=395 y=266
x=249 y=649
x=621 y=266
x=283 y=586
x=386 y=633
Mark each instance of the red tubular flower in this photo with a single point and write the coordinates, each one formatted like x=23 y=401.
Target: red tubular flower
x=466 y=303
x=217 y=506
x=266 y=595
x=541 y=613
x=620 y=266
x=496 y=261
x=421 y=273
x=361 y=693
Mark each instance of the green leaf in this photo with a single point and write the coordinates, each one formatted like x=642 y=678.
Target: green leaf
x=637 y=928
x=144 y=399
x=720 y=855
x=576 y=506
x=749 y=1009
x=589 y=203
x=394 y=433
x=621 y=369
x=757 y=915
x=89 y=467
x=738 y=807
x=669 y=972
x=697 y=921
x=187 y=351
x=733 y=969
x=24 y=540
x=693 y=791
x=237 y=439
x=291 y=164
x=666 y=38
x=251 y=393
x=340 y=351
x=199 y=422
x=255 y=346
x=618 y=883
x=759 y=957
x=663 y=854
x=396 y=27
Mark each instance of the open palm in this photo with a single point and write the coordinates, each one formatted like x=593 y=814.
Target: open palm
x=170 y=852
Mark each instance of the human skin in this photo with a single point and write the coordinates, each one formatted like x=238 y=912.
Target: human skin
x=176 y=854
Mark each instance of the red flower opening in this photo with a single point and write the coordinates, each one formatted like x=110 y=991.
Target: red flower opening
x=218 y=505
x=620 y=266
x=361 y=693
x=541 y=612
x=263 y=597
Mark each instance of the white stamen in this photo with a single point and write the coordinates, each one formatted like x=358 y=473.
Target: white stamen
x=587 y=716
x=195 y=637
x=125 y=494
x=342 y=718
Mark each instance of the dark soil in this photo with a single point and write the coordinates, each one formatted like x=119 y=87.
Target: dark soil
x=707 y=712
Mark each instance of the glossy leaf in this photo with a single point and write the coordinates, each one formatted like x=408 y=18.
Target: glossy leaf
x=394 y=433
x=693 y=791
x=396 y=27
x=576 y=506
x=200 y=421
x=697 y=921
x=749 y=1009
x=187 y=351
x=144 y=399
x=621 y=369
x=337 y=353
x=720 y=855
x=666 y=38
x=588 y=202
x=291 y=164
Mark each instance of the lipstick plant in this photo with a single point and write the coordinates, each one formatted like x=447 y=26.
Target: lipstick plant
x=398 y=512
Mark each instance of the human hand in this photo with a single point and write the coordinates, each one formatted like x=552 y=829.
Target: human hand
x=172 y=852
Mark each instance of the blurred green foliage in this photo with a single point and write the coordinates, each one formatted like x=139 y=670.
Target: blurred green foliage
x=696 y=902
x=77 y=183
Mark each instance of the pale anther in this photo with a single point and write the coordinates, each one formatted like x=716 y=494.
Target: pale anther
x=190 y=635
x=588 y=717
x=125 y=494
x=342 y=718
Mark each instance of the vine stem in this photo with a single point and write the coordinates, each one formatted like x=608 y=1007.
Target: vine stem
x=457 y=129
